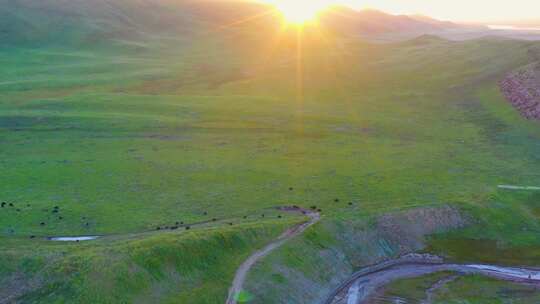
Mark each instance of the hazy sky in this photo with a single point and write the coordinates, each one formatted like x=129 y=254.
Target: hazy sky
x=457 y=10
x=461 y=10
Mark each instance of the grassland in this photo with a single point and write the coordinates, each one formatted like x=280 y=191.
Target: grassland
x=127 y=139
x=465 y=289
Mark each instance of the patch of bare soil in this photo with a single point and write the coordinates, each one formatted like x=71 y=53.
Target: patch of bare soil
x=17 y=285
x=409 y=228
x=522 y=90
x=430 y=293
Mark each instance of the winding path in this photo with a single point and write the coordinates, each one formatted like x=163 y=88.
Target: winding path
x=243 y=270
x=358 y=288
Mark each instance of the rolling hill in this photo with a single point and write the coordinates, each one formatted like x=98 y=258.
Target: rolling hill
x=109 y=22
x=175 y=130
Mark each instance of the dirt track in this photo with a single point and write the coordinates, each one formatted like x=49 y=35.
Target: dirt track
x=363 y=284
x=243 y=270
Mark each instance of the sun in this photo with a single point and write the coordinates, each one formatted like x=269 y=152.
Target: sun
x=301 y=11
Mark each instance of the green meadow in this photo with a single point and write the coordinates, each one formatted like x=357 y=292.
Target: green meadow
x=126 y=139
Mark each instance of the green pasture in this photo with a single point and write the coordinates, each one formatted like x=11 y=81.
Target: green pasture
x=125 y=141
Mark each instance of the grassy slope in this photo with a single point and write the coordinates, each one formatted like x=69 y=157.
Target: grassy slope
x=474 y=143
x=173 y=267
x=481 y=290
x=130 y=140
x=358 y=135
x=467 y=289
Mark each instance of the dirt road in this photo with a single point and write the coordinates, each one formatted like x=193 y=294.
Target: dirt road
x=243 y=270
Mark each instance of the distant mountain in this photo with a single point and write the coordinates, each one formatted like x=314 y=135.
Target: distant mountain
x=435 y=22
x=94 y=22
x=373 y=23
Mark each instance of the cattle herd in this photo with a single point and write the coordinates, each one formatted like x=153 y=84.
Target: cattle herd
x=178 y=224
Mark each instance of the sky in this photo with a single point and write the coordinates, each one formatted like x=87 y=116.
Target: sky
x=487 y=11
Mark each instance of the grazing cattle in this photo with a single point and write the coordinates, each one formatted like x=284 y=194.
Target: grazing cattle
x=187 y=227
x=350 y=204
x=313 y=207
x=174 y=227
x=319 y=210
x=11 y=204
x=205 y=213
x=60 y=217
x=87 y=224
x=158 y=228
x=262 y=215
x=55 y=211
x=336 y=200
x=3 y=204
x=279 y=216
x=42 y=223
x=18 y=210
x=214 y=219
x=291 y=189
x=245 y=216
x=32 y=236
x=177 y=223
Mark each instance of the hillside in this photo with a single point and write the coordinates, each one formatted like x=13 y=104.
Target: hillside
x=111 y=22
x=373 y=22
x=99 y=21
x=183 y=139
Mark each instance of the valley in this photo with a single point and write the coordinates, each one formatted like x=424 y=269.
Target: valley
x=176 y=133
